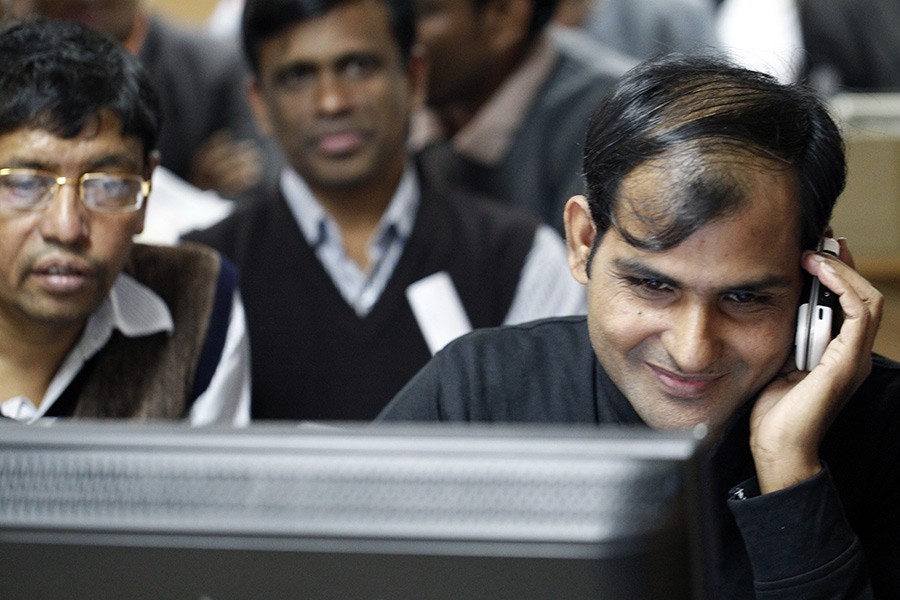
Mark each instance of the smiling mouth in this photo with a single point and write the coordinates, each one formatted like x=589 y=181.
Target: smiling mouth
x=685 y=386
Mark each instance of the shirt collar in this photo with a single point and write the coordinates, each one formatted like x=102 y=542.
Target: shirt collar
x=131 y=307
x=136 y=310
x=316 y=225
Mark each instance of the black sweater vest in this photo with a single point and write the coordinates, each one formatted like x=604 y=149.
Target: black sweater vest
x=313 y=358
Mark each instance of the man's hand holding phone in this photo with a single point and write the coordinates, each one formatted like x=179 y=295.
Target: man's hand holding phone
x=793 y=413
x=819 y=316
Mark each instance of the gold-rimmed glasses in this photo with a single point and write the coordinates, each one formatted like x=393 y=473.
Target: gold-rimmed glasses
x=33 y=189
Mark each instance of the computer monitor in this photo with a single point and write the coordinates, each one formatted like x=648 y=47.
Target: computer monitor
x=375 y=512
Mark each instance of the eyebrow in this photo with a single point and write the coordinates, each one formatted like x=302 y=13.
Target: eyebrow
x=639 y=269
x=312 y=66
x=122 y=161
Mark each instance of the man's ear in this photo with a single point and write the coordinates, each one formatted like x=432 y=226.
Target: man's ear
x=580 y=235
x=417 y=73
x=506 y=24
x=153 y=160
x=258 y=106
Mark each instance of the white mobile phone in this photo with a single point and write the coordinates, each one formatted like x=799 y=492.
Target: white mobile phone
x=818 y=317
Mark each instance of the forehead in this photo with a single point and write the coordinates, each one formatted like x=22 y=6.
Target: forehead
x=758 y=238
x=355 y=26
x=100 y=141
x=664 y=199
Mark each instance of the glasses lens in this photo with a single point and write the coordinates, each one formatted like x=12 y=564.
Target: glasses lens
x=112 y=193
x=24 y=190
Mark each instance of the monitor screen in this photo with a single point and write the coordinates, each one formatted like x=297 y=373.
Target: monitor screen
x=378 y=511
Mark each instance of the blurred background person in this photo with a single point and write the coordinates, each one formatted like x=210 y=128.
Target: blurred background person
x=645 y=28
x=509 y=98
x=363 y=262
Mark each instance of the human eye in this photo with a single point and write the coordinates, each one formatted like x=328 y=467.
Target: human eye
x=23 y=191
x=295 y=77
x=360 y=66
x=649 y=287
x=747 y=300
x=111 y=192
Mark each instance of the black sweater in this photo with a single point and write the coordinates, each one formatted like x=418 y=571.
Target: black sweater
x=836 y=535
x=313 y=357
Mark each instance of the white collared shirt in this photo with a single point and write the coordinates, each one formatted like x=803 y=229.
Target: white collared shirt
x=545 y=288
x=359 y=289
x=136 y=311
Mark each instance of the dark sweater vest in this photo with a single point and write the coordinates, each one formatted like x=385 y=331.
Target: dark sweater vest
x=313 y=358
x=155 y=376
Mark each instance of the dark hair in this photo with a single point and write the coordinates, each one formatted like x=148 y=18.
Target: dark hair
x=264 y=18
x=709 y=113
x=59 y=75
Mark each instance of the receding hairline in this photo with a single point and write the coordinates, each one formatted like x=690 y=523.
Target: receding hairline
x=702 y=168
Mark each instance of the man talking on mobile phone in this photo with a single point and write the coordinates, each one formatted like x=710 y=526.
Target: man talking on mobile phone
x=708 y=190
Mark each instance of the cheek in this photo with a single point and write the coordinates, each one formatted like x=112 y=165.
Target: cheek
x=390 y=98
x=112 y=240
x=765 y=344
x=14 y=246
x=619 y=324
x=288 y=113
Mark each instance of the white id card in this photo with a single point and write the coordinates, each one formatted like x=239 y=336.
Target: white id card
x=438 y=310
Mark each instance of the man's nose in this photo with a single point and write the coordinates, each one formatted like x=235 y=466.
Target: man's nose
x=65 y=219
x=332 y=95
x=693 y=337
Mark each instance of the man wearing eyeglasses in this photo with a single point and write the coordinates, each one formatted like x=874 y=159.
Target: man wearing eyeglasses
x=92 y=325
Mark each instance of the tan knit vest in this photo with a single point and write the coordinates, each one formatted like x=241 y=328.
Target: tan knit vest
x=152 y=377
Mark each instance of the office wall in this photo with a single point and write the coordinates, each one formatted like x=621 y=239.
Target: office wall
x=186 y=11
x=868 y=212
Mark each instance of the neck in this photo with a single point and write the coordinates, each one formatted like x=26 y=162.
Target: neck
x=454 y=117
x=357 y=210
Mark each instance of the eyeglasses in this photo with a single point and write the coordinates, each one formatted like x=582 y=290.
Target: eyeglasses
x=31 y=190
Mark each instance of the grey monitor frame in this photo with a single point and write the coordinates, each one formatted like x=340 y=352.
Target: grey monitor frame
x=373 y=511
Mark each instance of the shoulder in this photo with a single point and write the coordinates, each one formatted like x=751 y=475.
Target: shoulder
x=181 y=274
x=585 y=70
x=150 y=262
x=868 y=427
x=537 y=345
x=540 y=371
x=585 y=63
x=880 y=392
